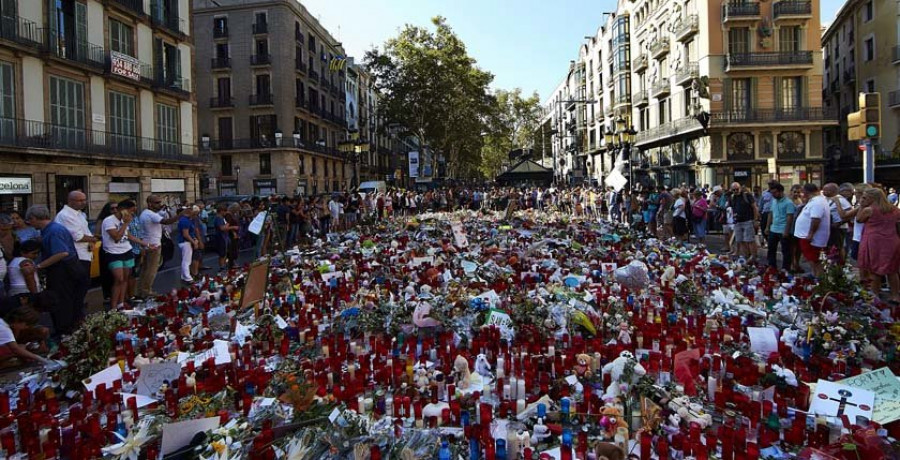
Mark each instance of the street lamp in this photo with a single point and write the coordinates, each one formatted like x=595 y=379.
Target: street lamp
x=620 y=141
x=237 y=180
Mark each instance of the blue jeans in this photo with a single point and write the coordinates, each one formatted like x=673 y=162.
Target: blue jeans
x=700 y=228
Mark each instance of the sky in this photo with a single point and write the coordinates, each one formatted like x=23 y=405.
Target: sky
x=526 y=44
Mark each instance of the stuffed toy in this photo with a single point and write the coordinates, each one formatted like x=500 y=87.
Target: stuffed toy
x=690 y=412
x=611 y=421
x=583 y=365
x=609 y=451
x=482 y=367
x=462 y=373
x=540 y=433
x=616 y=369
x=788 y=375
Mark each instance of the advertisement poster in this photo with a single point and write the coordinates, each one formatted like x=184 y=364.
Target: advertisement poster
x=414 y=164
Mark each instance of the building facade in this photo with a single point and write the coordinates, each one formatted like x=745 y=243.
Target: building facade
x=272 y=101
x=859 y=60
x=750 y=70
x=97 y=96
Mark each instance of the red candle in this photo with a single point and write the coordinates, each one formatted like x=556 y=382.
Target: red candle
x=646 y=445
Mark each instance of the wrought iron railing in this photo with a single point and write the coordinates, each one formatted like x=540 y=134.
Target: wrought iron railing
x=220 y=32
x=261 y=28
x=740 y=9
x=770 y=58
x=220 y=63
x=792 y=8
x=261 y=59
x=76 y=50
x=261 y=99
x=777 y=115
x=221 y=102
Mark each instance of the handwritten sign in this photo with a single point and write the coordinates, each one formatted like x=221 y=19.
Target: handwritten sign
x=886 y=387
x=153 y=375
x=502 y=321
x=763 y=340
x=179 y=434
x=835 y=400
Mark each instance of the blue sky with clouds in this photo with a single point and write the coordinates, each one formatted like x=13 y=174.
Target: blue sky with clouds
x=524 y=43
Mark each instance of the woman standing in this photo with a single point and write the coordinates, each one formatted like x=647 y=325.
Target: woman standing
x=118 y=250
x=698 y=213
x=879 y=249
x=797 y=198
x=106 y=279
x=24 y=232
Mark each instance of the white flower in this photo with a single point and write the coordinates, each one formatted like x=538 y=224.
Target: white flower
x=130 y=447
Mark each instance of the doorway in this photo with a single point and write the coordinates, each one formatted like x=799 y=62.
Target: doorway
x=66 y=184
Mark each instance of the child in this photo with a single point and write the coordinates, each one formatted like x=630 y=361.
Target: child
x=728 y=228
x=20 y=323
x=23 y=277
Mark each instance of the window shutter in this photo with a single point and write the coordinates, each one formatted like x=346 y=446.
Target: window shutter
x=804 y=91
x=752 y=94
x=81 y=28
x=728 y=95
x=158 y=57
x=777 y=82
x=52 y=16
x=178 y=64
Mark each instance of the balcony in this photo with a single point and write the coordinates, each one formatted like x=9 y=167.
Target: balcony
x=641 y=98
x=260 y=59
x=850 y=76
x=767 y=60
x=741 y=11
x=261 y=99
x=661 y=87
x=298 y=36
x=171 y=22
x=220 y=32
x=221 y=102
x=260 y=28
x=263 y=142
x=667 y=130
x=21 y=31
x=129 y=69
x=301 y=103
x=300 y=66
x=686 y=28
x=313 y=76
x=896 y=55
x=659 y=47
x=798 y=114
x=34 y=135
x=639 y=63
x=172 y=83
x=792 y=9
x=220 y=63
x=323 y=80
x=894 y=99
x=135 y=6
x=77 y=50
x=315 y=110
x=623 y=99
x=686 y=74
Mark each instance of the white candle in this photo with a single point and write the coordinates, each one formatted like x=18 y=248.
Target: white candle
x=520 y=406
x=486 y=391
x=551 y=351
x=389 y=406
x=351 y=369
x=711 y=386
x=330 y=379
x=500 y=364
x=370 y=404
x=513 y=388
x=361 y=404
x=506 y=391
x=520 y=393
x=325 y=350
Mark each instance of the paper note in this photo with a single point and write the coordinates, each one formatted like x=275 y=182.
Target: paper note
x=219 y=352
x=141 y=400
x=469 y=267
x=763 y=340
x=256 y=225
x=107 y=376
x=834 y=400
x=422 y=260
x=886 y=387
x=153 y=375
x=179 y=434
x=241 y=333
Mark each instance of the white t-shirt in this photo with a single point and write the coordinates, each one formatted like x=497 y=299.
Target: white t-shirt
x=109 y=245
x=816 y=208
x=151 y=224
x=6 y=333
x=17 y=283
x=77 y=225
x=832 y=207
x=678 y=209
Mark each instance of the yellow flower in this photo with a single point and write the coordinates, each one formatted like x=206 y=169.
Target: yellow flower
x=219 y=447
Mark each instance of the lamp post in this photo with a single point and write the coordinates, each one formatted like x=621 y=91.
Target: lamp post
x=237 y=180
x=621 y=141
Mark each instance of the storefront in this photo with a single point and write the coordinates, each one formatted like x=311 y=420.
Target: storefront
x=265 y=186
x=227 y=187
x=15 y=193
x=125 y=188
x=172 y=191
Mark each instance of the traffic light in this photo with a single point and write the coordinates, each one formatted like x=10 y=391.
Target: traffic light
x=866 y=123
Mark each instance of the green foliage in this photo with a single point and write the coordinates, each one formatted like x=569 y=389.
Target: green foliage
x=513 y=124
x=434 y=91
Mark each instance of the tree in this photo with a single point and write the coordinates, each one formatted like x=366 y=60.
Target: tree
x=434 y=90
x=513 y=124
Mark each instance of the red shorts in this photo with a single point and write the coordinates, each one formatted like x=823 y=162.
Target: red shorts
x=810 y=253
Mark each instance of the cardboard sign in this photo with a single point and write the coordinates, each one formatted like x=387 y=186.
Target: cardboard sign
x=886 y=387
x=153 y=375
x=179 y=434
x=835 y=400
x=106 y=376
x=254 y=289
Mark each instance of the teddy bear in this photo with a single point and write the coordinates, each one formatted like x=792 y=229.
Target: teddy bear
x=583 y=364
x=690 y=412
x=616 y=368
x=609 y=451
x=611 y=420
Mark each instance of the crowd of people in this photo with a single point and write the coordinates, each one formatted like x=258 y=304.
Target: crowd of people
x=40 y=253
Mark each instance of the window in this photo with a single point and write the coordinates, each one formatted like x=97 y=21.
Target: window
x=791 y=95
x=869 y=11
x=67 y=111
x=302 y=164
x=226 y=165
x=314 y=163
x=221 y=51
x=121 y=38
x=739 y=40
x=301 y=91
x=122 y=125
x=226 y=133
x=869 y=49
x=263 y=86
x=7 y=101
x=262 y=129
x=68 y=28
x=789 y=38
x=870 y=86
x=220 y=26
x=167 y=58
x=311 y=43
x=224 y=87
x=265 y=163
x=663 y=111
x=167 y=128
x=740 y=95
x=262 y=47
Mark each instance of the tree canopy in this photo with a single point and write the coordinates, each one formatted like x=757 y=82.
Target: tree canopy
x=433 y=90
x=512 y=125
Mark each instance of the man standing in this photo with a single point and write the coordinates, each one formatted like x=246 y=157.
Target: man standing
x=66 y=277
x=779 y=226
x=764 y=203
x=813 y=227
x=72 y=217
x=837 y=207
x=152 y=221
x=746 y=221
x=186 y=237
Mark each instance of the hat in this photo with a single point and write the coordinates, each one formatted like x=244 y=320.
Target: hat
x=717 y=188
